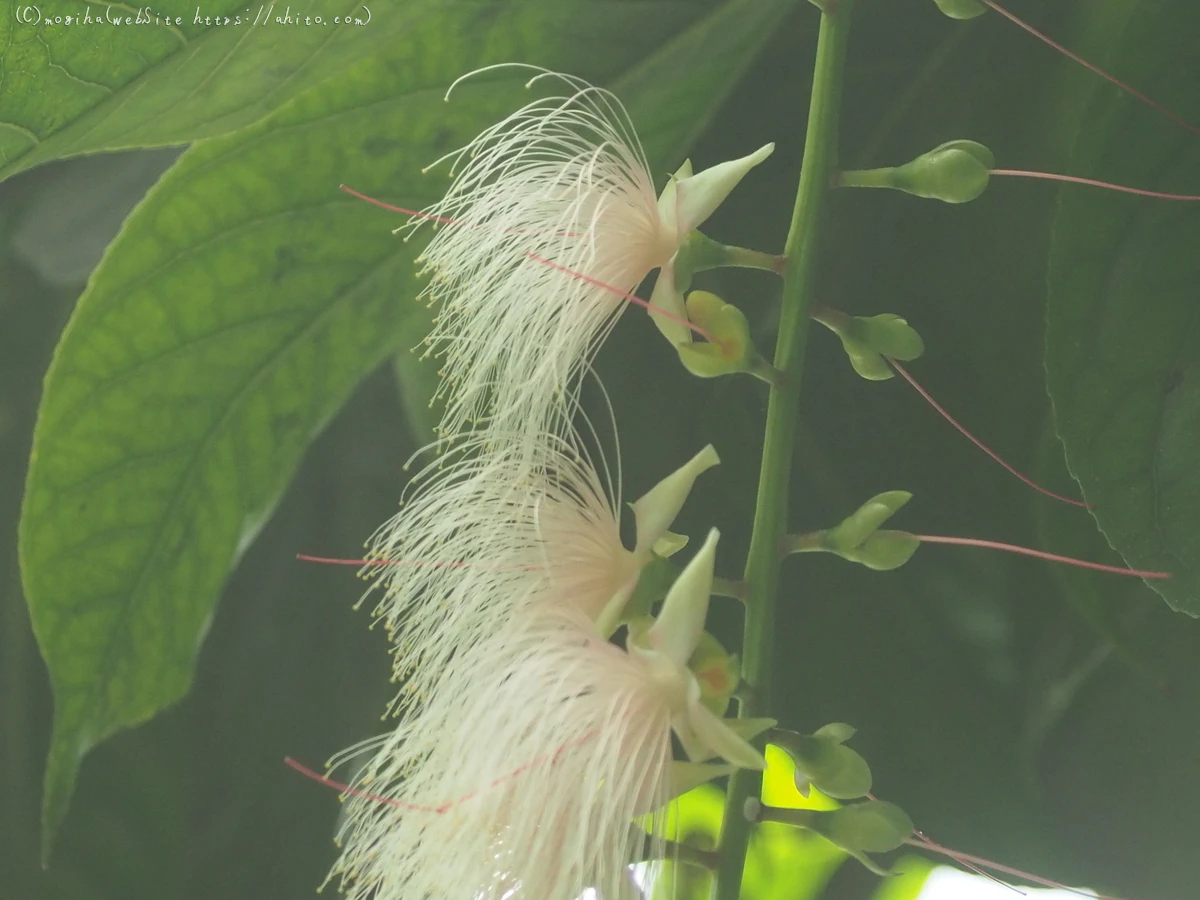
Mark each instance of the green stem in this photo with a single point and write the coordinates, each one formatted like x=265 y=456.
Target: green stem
x=754 y=259
x=770 y=517
x=700 y=253
x=866 y=178
x=812 y=542
x=729 y=587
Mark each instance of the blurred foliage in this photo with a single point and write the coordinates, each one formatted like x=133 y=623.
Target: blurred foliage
x=1122 y=347
x=1000 y=718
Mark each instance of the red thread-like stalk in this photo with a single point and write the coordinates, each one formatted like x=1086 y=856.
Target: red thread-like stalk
x=971 y=860
x=1039 y=554
x=624 y=295
x=333 y=561
x=1133 y=92
x=444 y=807
x=1094 y=182
x=976 y=441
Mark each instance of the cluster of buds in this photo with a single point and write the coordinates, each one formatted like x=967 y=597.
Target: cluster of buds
x=534 y=752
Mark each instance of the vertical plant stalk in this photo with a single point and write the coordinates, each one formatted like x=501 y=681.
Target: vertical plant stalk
x=770 y=517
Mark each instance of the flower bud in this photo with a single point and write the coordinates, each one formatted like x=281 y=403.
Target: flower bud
x=871 y=827
x=857 y=538
x=884 y=550
x=717 y=671
x=730 y=349
x=868 y=339
x=823 y=762
x=955 y=172
x=860 y=525
x=961 y=9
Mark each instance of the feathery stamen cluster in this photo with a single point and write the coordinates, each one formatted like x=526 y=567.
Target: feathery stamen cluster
x=530 y=745
x=564 y=180
x=483 y=535
x=532 y=780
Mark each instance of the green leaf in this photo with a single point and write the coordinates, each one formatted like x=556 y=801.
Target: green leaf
x=103 y=86
x=1115 y=607
x=243 y=301
x=1122 y=323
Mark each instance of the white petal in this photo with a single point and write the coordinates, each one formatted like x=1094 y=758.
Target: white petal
x=666 y=297
x=657 y=508
x=695 y=749
x=684 y=776
x=610 y=616
x=668 y=202
x=676 y=631
x=699 y=196
x=670 y=544
x=749 y=729
x=711 y=729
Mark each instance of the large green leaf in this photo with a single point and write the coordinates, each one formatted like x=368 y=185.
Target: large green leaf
x=88 y=86
x=240 y=305
x=1122 y=335
x=106 y=84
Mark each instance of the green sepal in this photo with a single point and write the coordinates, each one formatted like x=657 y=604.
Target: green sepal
x=697 y=253
x=860 y=525
x=684 y=776
x=749 y=729
x=869 y=864
x=858 y=538
x=730 y=348
x=884 y=550
x=868 y=339
x=837 y=731
x=669 y=544
x=874 y=826
x=955 y=172
x=717 y=671
x=655 y=580
x=823 y=762
x=961 y=9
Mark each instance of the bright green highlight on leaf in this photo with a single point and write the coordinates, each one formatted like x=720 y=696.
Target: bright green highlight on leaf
x=782 y=863
x=822 y=761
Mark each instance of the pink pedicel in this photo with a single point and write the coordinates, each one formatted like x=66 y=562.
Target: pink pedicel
x=1039 y=554
x=991 y=4
x=978 y=443
x=624 y=295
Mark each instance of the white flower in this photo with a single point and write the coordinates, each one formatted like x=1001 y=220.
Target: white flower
x=554 y=221
x=485 y=535
x=526 y=776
